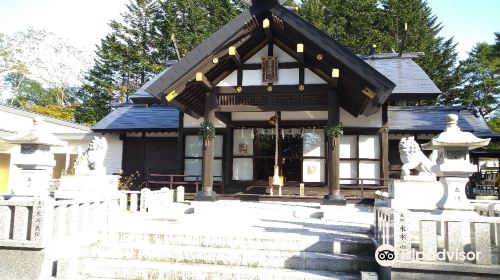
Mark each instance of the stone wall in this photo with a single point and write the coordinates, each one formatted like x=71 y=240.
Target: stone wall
x=36 y=232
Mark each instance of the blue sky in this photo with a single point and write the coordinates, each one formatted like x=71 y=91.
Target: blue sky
x=84 y=22
x=468 y=21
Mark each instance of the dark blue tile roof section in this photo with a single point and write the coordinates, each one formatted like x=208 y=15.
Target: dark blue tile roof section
x=411 y=80
x=136 y=118
x=431 y=119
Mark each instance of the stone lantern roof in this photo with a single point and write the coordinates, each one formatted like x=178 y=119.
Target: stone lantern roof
x=36 y=135
x=454 y=137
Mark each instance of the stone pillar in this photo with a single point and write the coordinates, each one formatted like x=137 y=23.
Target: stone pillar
x=179 y=194
x=207 y=193
x=144 y=200
x=334 y=196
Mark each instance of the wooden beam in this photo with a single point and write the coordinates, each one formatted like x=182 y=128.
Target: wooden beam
x=266 y=25
x=223 y=117
x=250 y=108
x=235 y=56
x=300 y=52
x=309 y=89
x=335 y=76
x=201 y=79
x=281 y=65
x=368 y=92
x=171 y=95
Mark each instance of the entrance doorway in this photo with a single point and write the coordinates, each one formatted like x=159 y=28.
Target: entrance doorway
x=289 y=157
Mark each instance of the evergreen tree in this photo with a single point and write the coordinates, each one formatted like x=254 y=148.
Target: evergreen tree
x=480 y=84
x=359 y=24
x=140 y=46
x=353 y=23
x=125 y=60
x=439 y=57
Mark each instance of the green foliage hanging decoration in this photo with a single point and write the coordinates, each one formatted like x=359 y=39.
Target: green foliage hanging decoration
x=334 y=130
x=207 y=131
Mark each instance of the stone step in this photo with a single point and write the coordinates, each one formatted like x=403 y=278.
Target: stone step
x=138 y=270
x=232 y=257
x=342 y=244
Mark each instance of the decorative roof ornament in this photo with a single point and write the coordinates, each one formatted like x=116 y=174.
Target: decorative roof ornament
x=257 y=2
x=36 y=135
x=453 y=136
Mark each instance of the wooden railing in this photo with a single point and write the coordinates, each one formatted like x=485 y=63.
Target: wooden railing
x=361 y=185
x=271 y=100
x=158 y=181
x=408 y=231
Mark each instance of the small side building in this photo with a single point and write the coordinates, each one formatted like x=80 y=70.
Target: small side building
x=76 y=136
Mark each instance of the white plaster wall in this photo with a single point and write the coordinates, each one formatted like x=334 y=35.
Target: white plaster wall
x=304 y=115
x=229 y=81
x=190 y=122
x=251 y=116
x=281 y=55
x=257 y=58
x=349 y=120
x=114 y=153
x=252 y=78
x=14 y=122
x=286 y=77
x=310 y=78
x=277 y=52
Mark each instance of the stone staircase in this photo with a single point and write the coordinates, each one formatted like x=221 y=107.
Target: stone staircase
x=212 y=245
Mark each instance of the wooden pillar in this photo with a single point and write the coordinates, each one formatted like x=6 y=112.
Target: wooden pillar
x=180 y=143
x=207 y=193
x=385 y=155
x=334 y=196
x=385 y=145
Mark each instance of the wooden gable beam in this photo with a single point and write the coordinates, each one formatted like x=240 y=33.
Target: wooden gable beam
x=335 y=76
x=235 y=56
x=300 y=52
x=266 y=25
x=201 y=79
x=224 y=117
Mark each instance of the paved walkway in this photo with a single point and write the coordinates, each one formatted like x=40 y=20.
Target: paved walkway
x=252 y=218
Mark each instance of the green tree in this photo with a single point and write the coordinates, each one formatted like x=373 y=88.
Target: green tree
x=355 y=24
x=29 y=92
x=440 y=58
x=359 y=24
x=32 y=56
x=139 y=47
x=124 y=61
x=480 y=84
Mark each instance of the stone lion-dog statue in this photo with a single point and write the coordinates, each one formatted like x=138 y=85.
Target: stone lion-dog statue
x=413 y=158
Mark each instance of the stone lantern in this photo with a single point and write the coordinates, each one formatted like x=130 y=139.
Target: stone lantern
x=453 y=165
x=35 y=161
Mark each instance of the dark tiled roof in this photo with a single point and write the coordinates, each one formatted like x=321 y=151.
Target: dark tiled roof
x=431 y=119
x=411 y=80
x=142 y=97
x=139 y=118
